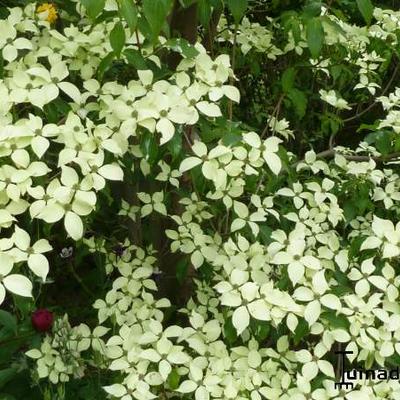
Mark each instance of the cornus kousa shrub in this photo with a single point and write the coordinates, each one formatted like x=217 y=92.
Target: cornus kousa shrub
x=199 y=199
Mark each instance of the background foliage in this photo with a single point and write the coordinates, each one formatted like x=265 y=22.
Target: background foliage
x=245 y=196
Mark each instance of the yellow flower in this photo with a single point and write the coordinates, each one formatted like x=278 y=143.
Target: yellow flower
x=48 y=11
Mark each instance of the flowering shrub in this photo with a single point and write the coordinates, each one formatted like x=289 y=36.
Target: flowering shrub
x=194 y=217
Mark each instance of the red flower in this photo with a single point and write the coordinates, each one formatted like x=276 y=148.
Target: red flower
x=42 y=320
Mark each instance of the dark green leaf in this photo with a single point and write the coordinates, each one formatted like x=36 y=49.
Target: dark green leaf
x=8 y=321
x=144 y=27
x=186 y=3
x=6 y=375
x=183 y=46
x=156 y=12
x=333 y=24
x=260 y=329
x=393 y=360
x=230 y=332
x=135 y=58
x=292 y=24
x=366 y=9
x=288 y=78
x=265 y=234
x=175 y=145
x=355 y=246
x=336 y=321
x=93 y=7
x=24 y=305
x=350 y=210
x=384 y=143
x=149 y=147
x=231 y=138
x=7 y=397
x=315 y=36
x=300 y=332
x=129 y=12
x=299 y=101
x=117 y=38
x=237 y=8
x=312 y=9
x=105 y=65
x=204 y=12
x=181 y=270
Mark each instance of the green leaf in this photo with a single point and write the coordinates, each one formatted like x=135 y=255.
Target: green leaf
x=181 y=270
x=187 y=3
x=156 y=12
x=204 y=12
x=265 y=234
x=315 y=36
x=117 y=38
x=6 y=375
x=393 y=360
x=355 y=246
x=182 y=46
x=105 y=64
x=292 y=24
x=135 y=58
x=301 y=331
x=8 y=321
x=366 y=9
x=149 y=147
x=93 y=7
x=173 y=379
x=260 y=329
x=288 y=78
x=175 y=145
x=313 y=9
x=231 y=138
x=299 y=101
x=129 y=12
x=230 y=332
x=336 y=321
x=350 y=210
x=384 y=143
x=238 y=9
x=24 y=305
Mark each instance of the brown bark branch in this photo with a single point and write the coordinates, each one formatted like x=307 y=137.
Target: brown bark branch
x=331 y=153
x=371 y=106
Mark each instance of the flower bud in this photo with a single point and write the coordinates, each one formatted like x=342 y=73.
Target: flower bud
x=42 y=320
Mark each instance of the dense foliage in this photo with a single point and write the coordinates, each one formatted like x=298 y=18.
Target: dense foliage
x=198 y=199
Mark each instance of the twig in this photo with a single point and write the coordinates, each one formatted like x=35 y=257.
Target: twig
x=15 y=338
x=331 y=153
x=138 y=41
x=274 y=113
x=80 y=281
x=187 y=139
x=339 y=346
x=230 y=104
x=371 y=106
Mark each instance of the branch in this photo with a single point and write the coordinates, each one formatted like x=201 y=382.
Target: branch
x=371 y=106
x=331 y=153
x=211 y=32
x=275 y=113
x=230 y=103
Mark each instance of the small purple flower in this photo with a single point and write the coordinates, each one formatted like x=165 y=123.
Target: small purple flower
x=119 y=250
x=67 y=252
x=156 y=275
